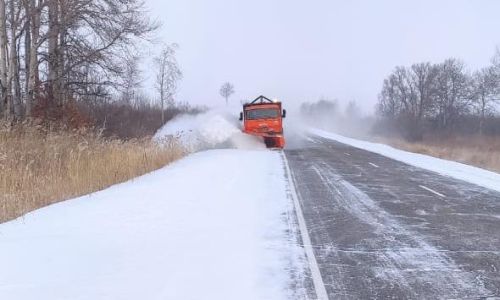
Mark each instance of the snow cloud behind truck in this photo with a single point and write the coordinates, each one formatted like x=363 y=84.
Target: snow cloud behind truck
x=214 y=129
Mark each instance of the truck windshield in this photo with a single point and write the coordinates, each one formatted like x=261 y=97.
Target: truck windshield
x=256 y=114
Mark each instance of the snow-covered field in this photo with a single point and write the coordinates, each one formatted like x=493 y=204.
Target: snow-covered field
x=449 y=168
x=214 y=225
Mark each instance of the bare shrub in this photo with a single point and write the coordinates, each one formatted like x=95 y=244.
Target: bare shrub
x=125 y=121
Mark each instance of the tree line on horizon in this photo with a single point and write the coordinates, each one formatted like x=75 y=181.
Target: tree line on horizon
x=441 y=98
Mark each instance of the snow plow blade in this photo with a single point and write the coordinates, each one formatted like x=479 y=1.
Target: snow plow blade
x=275 y=142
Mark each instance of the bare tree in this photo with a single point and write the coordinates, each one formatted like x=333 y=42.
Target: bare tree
x=15 y=92
x=406 y=95
x=388 y=104
x=226 y=90
x=32 y=38
x=3 y=59
x=423 y=78
x=485 y=93
x=352 y=110
x=453 y=93
x=167 y=77
x=131 y=80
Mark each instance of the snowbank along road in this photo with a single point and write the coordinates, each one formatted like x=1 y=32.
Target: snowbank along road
x=382 y=229
x=191 y=230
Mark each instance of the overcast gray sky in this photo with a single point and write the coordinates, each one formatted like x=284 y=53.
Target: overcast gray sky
x=303 y=50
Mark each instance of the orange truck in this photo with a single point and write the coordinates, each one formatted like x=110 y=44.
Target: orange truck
x=264 y=117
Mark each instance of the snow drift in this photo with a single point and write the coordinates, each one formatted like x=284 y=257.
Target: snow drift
x=478 y=176
x=216 y=128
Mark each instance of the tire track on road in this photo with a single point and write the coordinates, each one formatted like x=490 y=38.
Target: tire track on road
x=408 y=259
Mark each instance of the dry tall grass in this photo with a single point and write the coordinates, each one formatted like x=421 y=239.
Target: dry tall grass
x=39 y=168
x=476 y=150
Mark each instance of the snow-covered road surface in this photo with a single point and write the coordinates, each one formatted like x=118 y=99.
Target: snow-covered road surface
x=383 y=229
x=215 y=225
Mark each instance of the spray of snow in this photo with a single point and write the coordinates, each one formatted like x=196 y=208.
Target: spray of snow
x=215 y=129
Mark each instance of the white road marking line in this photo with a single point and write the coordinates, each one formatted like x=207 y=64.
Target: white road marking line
x=413 y=250
x=347 y=154
x=432 y=191
x=319 y=285
x=374 y=165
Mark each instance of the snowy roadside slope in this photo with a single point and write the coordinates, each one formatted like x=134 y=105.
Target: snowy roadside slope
x=449 y=168
x=192 y=230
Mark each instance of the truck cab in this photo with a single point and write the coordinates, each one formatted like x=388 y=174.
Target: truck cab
x=264 y=117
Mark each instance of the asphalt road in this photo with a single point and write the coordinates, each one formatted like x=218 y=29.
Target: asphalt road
x=381 y=229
